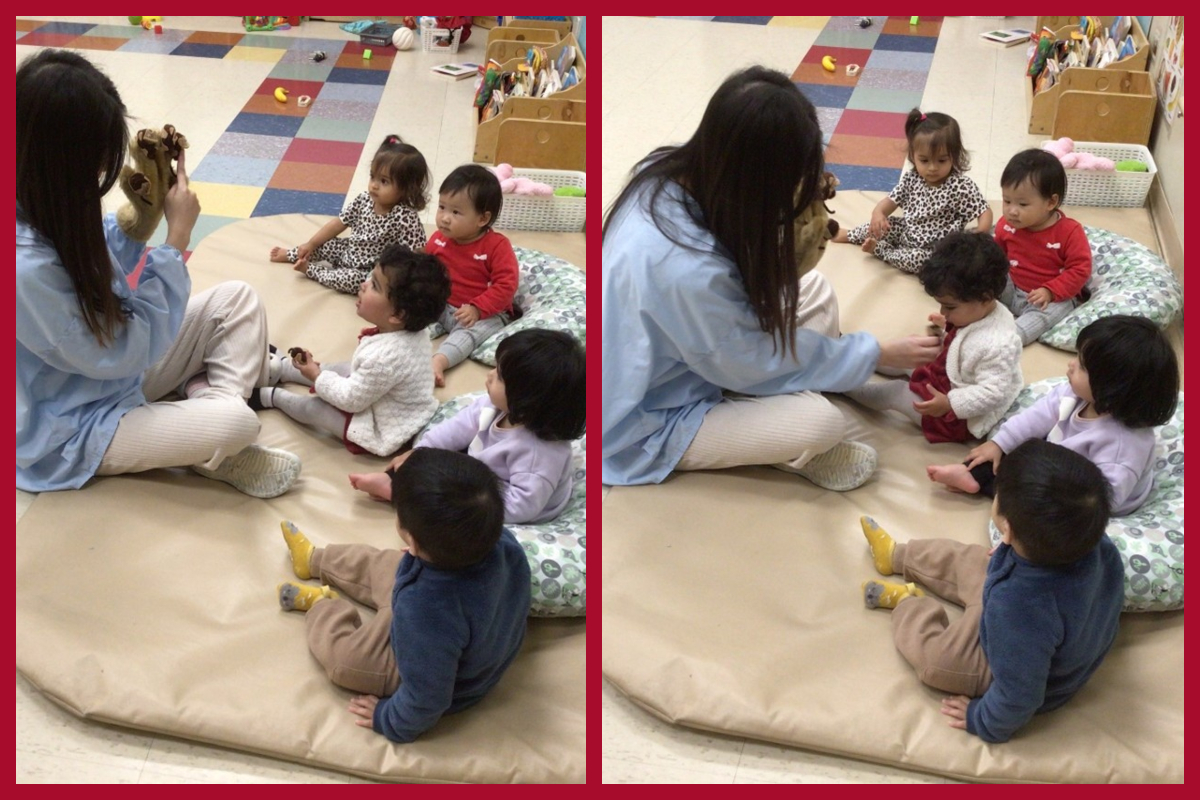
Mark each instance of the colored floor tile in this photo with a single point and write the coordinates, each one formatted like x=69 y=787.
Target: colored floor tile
x=828 y=119
x=266 y=54
x=168 y=34
x=266 y=124
x=865 y=151
x=266 y=40
x=865 y=178
x=249 y=145
x=813 y=23
x=339 y=130
x=21 y=34
x=313 y=73
x=305 y=56
x=267 y=104
x=116 y=31
x=316 y=151
x=856 y=38
x=29 y=24
x=343 y=109
x=744 y=20
x=285 y=201
x=824 y=95
x=213 y=37
x=332 y=47
x=205 y=225
x=895 y=59
x=331 y=178
x=97 y=43
x=224 y=200
x=851 y=24
x=75 y=28
x=296 y=87
x=356 y=61
x=857 y=122
x=201 y=50
x=870 y=99
x=358 y=92
x=912 y=44
x=843 y=55
x=900 y=80
x=360 y=76
x=818 y=75
x=159 y=46
x=40 y=39
x=926 y=26
x=237 y=170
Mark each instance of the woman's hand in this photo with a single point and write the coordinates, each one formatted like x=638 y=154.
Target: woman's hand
x=181 y=208
x=909 y=352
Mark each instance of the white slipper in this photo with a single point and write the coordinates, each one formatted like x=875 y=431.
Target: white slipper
x=845 y=466
x=257 y=471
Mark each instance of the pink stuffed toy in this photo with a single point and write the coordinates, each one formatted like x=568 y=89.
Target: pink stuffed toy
x=518 y=185
x=1064 y=150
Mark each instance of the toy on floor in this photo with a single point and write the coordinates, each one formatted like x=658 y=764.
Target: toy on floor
x=266 y=23
x=1064 y=150
x=147 y=181
x=829 y=63
x=281 y=94
x=403 y=39
x=516 y=184
x=865 y=22
x=318 y=56
x=148 y=22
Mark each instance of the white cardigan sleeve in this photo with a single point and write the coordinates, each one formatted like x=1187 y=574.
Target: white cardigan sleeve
x=372 y=374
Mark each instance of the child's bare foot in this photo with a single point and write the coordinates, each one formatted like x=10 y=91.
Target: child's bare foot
x=279 y=255
x=377 y=484
x=868 y=245
x=440 y=364
x=301 y=265
x=955 y=477
x=841 y=237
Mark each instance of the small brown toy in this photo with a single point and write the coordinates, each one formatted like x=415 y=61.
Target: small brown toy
x=146 y=183
x=813 y=228
x=298 y=355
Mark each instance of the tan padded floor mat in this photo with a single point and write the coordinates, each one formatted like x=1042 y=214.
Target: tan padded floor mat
x=732 y=599
x=148 y=600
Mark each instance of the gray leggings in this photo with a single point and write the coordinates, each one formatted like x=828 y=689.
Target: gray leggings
x=308 y=408
x=1032 y=321
x=461 y=341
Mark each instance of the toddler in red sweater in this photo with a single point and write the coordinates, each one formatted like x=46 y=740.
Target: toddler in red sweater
x=1049 y=258
x=481 y=264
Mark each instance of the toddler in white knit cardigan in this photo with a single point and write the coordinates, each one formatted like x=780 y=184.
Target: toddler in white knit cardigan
x=384 y=396
x=977 y=376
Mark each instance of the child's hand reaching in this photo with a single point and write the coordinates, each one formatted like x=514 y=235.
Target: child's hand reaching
x=364 y=706
x=466 y=315
x=988 y=451
x=956 y=709
x=308 y=366
x=1040 y=297
x=879 y=225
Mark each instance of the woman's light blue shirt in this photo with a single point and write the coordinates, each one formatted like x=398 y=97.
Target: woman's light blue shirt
x=71 y=390
x=678 y=329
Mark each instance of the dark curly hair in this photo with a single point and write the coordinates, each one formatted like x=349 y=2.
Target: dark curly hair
x=418 y=285
x=1132 y=369
x=405 y=165
x=968 y=266
x=545 y=382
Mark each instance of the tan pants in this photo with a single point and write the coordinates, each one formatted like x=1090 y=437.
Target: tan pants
x=355 y=656
x=785 y=431
x=946 y=655
x=224 y=333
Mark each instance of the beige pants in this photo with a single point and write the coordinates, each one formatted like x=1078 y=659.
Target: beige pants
x=355 y=656
x=946 y=655
x=785 y=431
x=224 y=333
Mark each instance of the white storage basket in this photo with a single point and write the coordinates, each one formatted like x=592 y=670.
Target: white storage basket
x=1087 y=187
x=524 y=212
x=430 y=38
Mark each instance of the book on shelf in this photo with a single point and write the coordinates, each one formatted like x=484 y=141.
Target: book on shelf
x=457 y=71
x=1008 y=36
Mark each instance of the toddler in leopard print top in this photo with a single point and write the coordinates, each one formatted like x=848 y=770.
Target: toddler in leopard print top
x=384 y=214
x=936 y=196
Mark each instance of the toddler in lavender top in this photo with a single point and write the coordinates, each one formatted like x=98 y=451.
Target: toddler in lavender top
x=1124 y=382
x=522 y=429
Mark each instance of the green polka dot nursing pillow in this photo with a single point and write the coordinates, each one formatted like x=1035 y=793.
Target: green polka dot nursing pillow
x=1151 y=538
x=550 y=294
x=1126 y=279
x=557 y=550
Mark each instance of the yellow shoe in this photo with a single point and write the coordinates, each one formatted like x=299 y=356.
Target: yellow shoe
x=883 y=594
x=882 y=545
x=300 y=547
x=295 y=597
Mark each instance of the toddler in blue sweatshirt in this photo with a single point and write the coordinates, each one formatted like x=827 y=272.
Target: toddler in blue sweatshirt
x=451 y=607
x=1039 y=613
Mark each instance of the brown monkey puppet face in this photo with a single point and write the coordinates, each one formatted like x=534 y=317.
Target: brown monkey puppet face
x=813 y=228
x=146 y=182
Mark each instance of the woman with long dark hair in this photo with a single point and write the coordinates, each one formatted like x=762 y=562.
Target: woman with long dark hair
x=716 y=344
x=95 y=357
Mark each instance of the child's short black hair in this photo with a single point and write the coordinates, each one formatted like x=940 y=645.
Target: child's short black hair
x=1055 y=500
x=450 y=503
x=405 y=165
x=418 y=285
x=482 y=187
x=966 y=266
x=1132 y=369
x=943 y=134
x=544 y=374
x=1042 y=169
